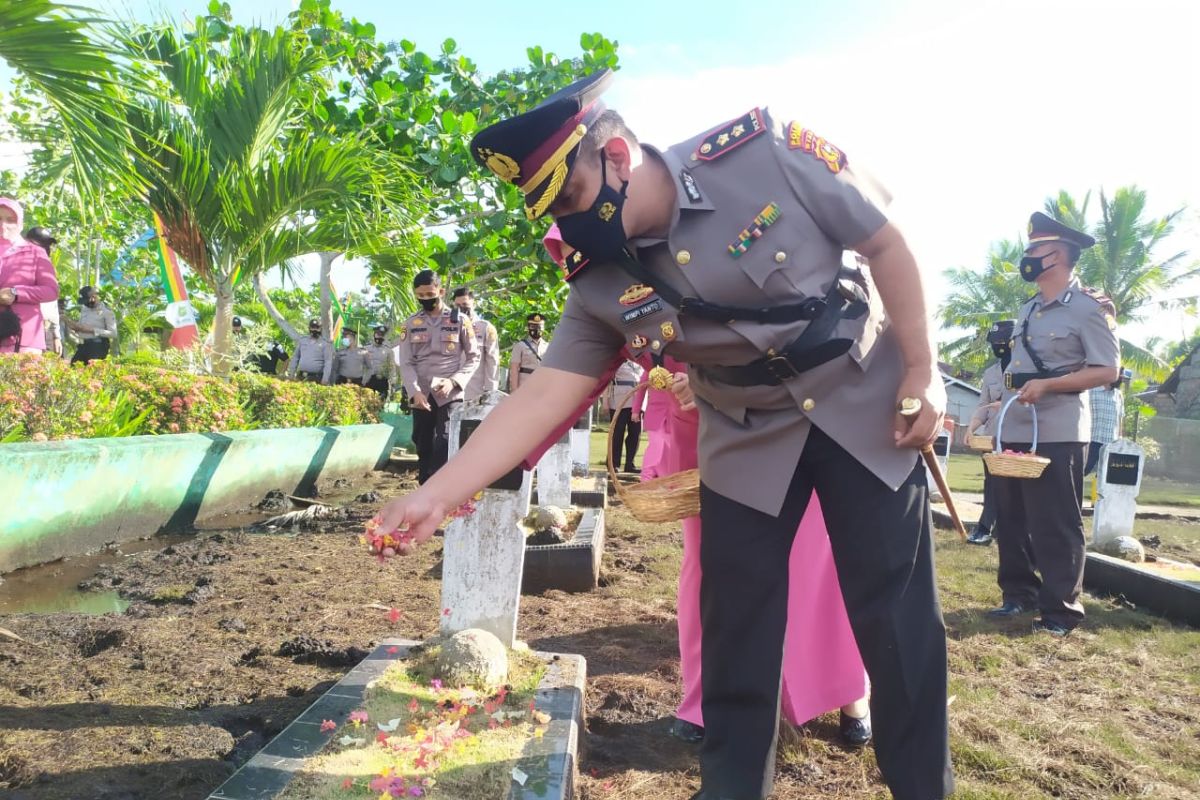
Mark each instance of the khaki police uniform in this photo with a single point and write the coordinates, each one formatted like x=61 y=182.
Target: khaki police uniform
x=485 y=378
x=313 y=360
x=380 y=368
x=437 y=345
x=95 y=345
x=619 y=398
x=525 y=357
x=1039 y=522
x=763 y=214
x=350 y=363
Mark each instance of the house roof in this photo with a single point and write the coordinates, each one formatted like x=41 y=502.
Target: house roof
x=1171 y=384
x=950 y=380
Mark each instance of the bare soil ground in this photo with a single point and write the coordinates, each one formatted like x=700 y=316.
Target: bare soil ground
x=230 y=636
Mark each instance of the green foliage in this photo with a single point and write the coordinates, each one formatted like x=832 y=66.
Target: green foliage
x=49 y=399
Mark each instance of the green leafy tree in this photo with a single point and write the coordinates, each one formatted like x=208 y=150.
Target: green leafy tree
x=978 y=299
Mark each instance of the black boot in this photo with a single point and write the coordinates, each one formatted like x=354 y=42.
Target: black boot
x=687 y=732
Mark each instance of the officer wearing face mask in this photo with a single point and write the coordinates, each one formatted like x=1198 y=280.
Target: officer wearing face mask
x=97 y=326
x=484 y=380
x=526 y=355
x=983 y=421
x=438 y=355
x=313 y=360
x=350 y=361
x=380 y=363
x=1065 y=343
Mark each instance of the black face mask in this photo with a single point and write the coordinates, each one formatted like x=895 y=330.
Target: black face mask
x=90 y=302
x=1001 y=351
x=378 y=340
x=598 y=232
x=1033 y=266
x=314 y=332
x=429 y=304
x=535 y=333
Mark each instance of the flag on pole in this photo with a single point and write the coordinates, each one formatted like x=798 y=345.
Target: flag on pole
x=179 y=312
x=339 y=321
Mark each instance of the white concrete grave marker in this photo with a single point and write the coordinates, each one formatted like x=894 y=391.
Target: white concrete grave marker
x=581 y=444
x=941 y=448
x=484 y=553
x=554 y=474
x=1118 y=483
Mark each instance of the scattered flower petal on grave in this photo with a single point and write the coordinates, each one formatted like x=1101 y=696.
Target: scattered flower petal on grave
x=357 y=718
x=413 y=705
x=393 y=617
x=347 y=740
x=607 y=786
x=436 y=684
x=541 y=717
x=389 y=726
x=539 y=733
x=445 y=612
x=328 y=725
x=348 y=783
x=519 y=776
x=391 y=651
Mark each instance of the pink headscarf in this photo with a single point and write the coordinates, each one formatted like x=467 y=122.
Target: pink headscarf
x=15 y=207
x=553 y=242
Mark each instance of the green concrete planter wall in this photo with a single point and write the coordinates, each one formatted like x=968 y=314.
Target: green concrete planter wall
x=66 y=498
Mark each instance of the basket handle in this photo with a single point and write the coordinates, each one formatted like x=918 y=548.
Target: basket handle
x=1000 y=425
x=612 y=473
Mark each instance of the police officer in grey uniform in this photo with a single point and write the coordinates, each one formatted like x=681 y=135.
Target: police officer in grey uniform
x=983 y=420
x=350 y=362
x=526 y=355
x=1065 y=343
x=96 y=326
x=438 y=356
x=726 y=251
x=313 y=359
x=485 y=378
x=380 y=363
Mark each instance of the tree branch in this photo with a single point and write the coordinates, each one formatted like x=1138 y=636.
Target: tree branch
x=283 y=324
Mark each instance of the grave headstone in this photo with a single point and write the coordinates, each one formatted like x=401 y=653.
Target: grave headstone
x=581 y=444
x=1118 y=484
x=484 y=553
x=554 y=474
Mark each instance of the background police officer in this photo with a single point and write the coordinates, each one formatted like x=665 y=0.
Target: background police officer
x=799 y=378
x=526 y=355
x=485 y=378
x=983 y=421
x=1065 y=343
x=351 y=360
x=313 y=359
x=438 y=356
x=380 y=363
x=96 y=326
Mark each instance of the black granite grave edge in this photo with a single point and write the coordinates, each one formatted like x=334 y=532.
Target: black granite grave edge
x=1174 y=600
x=270 y=770
x=571 y=566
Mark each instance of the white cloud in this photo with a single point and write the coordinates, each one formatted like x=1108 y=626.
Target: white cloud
x=973 y=115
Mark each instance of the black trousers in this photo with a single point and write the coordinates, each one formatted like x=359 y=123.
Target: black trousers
x=342 y=379
x=431 y=435
x=1093 y=457
x=379 y=385
x=1038 y=526
x=628 y=434
x=91 y=350
x=882 y=545
x=987 y=517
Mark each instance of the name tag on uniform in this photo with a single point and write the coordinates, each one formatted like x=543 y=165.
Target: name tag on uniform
x=644 y=310
x=449 y=329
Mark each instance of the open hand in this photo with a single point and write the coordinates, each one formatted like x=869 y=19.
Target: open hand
x=417 y=514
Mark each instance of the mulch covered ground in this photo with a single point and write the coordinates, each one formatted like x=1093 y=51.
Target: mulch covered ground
x=230 y=636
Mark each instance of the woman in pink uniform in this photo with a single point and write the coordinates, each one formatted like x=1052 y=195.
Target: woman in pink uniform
x=27 y=280
x=822 y=669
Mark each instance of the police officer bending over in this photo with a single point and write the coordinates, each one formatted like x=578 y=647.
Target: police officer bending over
x=726 y=251
x=1065 y=343
x=438 y=356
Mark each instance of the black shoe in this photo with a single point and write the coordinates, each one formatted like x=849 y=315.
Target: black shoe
x=703 y=795
x=855 y=732
x=687 y=732
x=632 y=470
x=1009 y=609
x=979 y=536
x=1050 y=627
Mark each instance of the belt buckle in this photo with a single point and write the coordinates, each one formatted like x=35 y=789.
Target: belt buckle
x=780 y=368
x=1008 y=381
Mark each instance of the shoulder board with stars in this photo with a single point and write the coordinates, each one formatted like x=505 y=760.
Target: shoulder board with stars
x=574 y=262
x=732 y=134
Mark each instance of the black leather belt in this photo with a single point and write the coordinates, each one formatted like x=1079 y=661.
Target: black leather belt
x=525 y=369
x=95 y=340
x=811 y=349
x=1015 y=380
x=625 y=383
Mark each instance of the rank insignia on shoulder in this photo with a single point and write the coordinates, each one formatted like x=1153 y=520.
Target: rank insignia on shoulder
x=689 y=186
x=765 y=219
x=635 y=294
x=732 y=134
x=801 y=138
x=573 y=263
x=1111 y=320
x=638 y=342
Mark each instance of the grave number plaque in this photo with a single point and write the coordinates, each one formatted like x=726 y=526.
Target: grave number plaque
x=510 y=482
x=1122 y=469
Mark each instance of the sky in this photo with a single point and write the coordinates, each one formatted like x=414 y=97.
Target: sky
x=971 y=113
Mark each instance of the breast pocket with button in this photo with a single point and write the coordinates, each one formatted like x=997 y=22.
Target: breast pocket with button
x=450 y=341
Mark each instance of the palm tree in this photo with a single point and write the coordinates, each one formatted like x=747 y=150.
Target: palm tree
x=65 y=56
x=977 y=299
x=240 y=183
